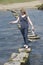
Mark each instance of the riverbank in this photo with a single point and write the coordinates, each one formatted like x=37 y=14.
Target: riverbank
x=14 y=1
x=19 y=5
x=40 y=7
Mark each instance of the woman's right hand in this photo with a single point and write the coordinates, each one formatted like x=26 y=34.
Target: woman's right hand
x=10 y=22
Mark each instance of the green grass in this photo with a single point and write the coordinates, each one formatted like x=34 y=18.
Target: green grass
x=13 y=1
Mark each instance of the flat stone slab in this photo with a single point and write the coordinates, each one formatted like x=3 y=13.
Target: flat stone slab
x=25 y=50
x=12 y=63
x=33 y=37
x=17 y=58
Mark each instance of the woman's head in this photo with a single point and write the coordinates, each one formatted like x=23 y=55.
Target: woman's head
x=23 y=11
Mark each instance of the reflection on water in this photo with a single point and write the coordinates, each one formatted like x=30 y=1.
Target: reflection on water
x=11 y=38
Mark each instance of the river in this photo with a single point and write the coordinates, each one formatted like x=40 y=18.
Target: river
x=11 y=38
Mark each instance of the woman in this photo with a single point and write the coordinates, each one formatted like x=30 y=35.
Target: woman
x=24 y=21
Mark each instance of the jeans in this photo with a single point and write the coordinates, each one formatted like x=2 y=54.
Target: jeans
x=24 y=32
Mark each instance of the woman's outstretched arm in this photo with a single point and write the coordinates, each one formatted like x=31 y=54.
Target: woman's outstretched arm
x=14 y=21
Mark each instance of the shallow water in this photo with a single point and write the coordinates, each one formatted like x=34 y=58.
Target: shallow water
x=11 y=38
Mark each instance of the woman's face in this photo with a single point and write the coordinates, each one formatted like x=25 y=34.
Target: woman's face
x=23 y=13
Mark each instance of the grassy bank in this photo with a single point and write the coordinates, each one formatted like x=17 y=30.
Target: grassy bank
x=40 y=7
x=13 y=1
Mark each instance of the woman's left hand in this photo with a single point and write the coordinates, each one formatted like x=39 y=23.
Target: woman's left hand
x=32 y=28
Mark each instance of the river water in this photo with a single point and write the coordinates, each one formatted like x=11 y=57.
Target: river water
x=11 y=38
